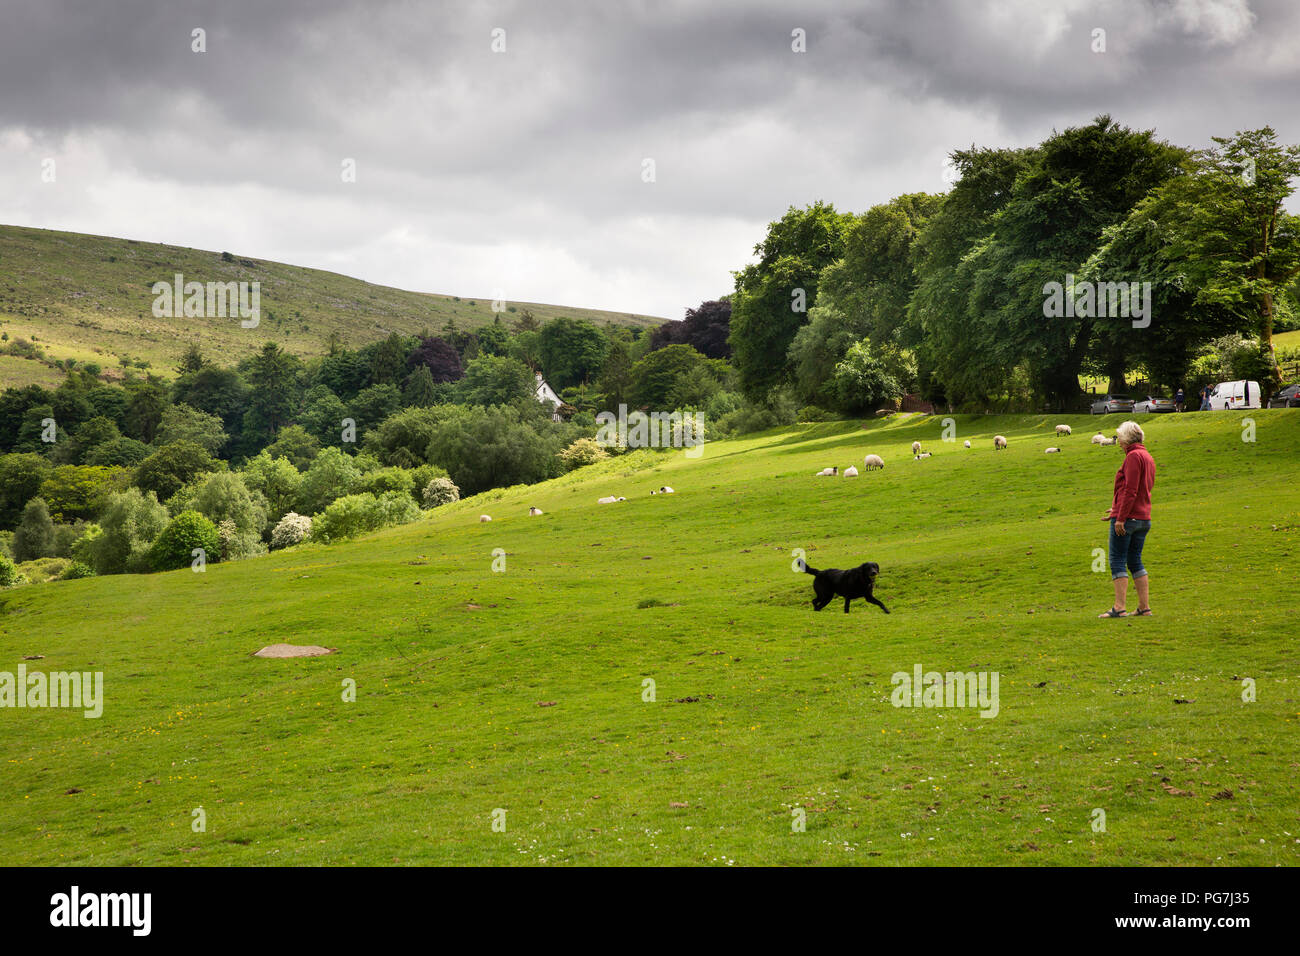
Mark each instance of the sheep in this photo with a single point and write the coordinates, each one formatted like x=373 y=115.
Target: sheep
x=999 y=441
x=967 y=444
x=483 y=518
x=534 y=512
x=665 y=490
x=916 y=448
x=851 y=471
x=873 y=461
x=923 y=455
x=1106 y=441
x=828 y=472
x=622 y=499
x=1050 y=451
x=1098 y=438
x=609 y=500
x=1063 y=430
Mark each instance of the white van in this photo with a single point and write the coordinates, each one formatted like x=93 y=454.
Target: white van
x=1230 y=395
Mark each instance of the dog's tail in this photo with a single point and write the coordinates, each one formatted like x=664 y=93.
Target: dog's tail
x=806 y=569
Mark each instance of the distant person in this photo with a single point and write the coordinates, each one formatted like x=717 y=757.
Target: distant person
x=1178 y=400
x=1205 y=399
x=1130 y=520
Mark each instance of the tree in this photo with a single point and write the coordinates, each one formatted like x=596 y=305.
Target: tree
x=183 y=423
x=493 y=339
x=773 y=295
x=171 y=467
x=21 y=476
x=192 y=361
x=705 y=328
x=373 y=405
x=615 y=377
x=87 y=436
x=439 y=357
x=654 y=378
x=123 y=451
x=572 y=351
x=224 y=497
x=80 y=491
x=496 y=380
x=862 y=381
x=322 y=415
x=388 y=360
x=273 y=375
x=217 y=391
x=403 y=439
x=296 y=445
x=493 y=447
x=1240 y=246
x=421 y=390
x=344 y=372
x=329 y=476
x=34 y=537
x=276 y=480
x=129 y=524
x=144 y=410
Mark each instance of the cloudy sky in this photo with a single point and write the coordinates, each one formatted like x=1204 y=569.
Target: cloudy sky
x=524 y=170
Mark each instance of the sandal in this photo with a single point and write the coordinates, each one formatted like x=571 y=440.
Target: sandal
x=1142 y=613
x=1115 y=612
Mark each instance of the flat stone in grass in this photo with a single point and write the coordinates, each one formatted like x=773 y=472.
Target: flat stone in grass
x=295 y=650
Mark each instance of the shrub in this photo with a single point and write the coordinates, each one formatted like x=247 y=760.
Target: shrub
x=8 y=573
x=440 y=491
x=223 y=497
x=329 y=476
x=584 y=451
x=77 y=570
x=174 y=547
x=292 y=529
x=42 y=569
x=420 y=479
x=385 y=479
x=276 y=480
x=355 y=514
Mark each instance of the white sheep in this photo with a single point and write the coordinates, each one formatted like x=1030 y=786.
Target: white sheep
x=1106 y=441
x=873 y=461
x=828 y=472
x=1063 y=430
x=534 y=512
x=1050 y=451
x=851 y=471
x=1098 y=438
x=967 y=444
x=609 y=500
x=924 y=455
x=665 y=490
x=916 y=448
x=482 y=518
x=999 y=441
x=622 y=499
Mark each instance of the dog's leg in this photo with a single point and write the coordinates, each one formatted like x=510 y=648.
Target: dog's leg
x=846 y=604
x=876 y=602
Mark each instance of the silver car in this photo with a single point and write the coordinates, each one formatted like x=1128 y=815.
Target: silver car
x=1153 y=404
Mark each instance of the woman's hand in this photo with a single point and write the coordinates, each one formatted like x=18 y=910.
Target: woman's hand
x=1119 y=528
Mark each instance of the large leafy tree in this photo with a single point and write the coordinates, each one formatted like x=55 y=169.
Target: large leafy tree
x=705 y=328
x=773 y=295
x=1079 y=182
x=273 y=374
x=439 y=357
x=572 y=351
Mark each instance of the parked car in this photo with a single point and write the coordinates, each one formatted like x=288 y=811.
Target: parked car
x=1112 y=403
x=1286 y=397
x=1232 y=395
x=1153 y=404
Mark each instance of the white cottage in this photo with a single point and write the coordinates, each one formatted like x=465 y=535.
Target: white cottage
x=547 y=394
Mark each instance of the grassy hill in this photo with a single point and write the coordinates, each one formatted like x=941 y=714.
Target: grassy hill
x=89 y=298
x=523 y=690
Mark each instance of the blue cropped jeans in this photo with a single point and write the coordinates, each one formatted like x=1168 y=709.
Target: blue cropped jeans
x=1126 y=549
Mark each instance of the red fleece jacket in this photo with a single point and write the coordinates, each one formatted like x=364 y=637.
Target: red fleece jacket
x=1133 y=484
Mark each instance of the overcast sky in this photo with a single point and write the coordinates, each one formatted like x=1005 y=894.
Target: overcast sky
x=522 y=170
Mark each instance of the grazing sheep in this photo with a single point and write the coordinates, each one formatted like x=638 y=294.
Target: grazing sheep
x=665 y=490
x=967 y=445
x=873 y=461
x=923 y=455
x=534 y=512
x=606 y=501
x=916 y=448
x=851 y=471
x=1050 y=451
x=622 y=499
x=1098 y=438
x=1106 y=441
x=1063 y=430
x=484 y=518
x=828 y=472
x=999 y=441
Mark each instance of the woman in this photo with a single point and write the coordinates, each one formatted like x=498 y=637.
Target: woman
x=1130 y=520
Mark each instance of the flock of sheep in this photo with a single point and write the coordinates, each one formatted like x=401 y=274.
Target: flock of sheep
x=608 y=500
x=999 y=444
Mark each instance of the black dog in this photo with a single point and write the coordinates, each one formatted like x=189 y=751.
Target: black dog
x=853 y=583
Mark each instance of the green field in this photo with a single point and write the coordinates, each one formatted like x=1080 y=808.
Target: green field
x=762 y=707
x=89 y=298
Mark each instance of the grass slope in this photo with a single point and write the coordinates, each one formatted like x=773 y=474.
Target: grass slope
x=761 y=705
x=89 y=298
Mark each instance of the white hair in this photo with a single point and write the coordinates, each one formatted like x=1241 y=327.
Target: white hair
x=1130 y=433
